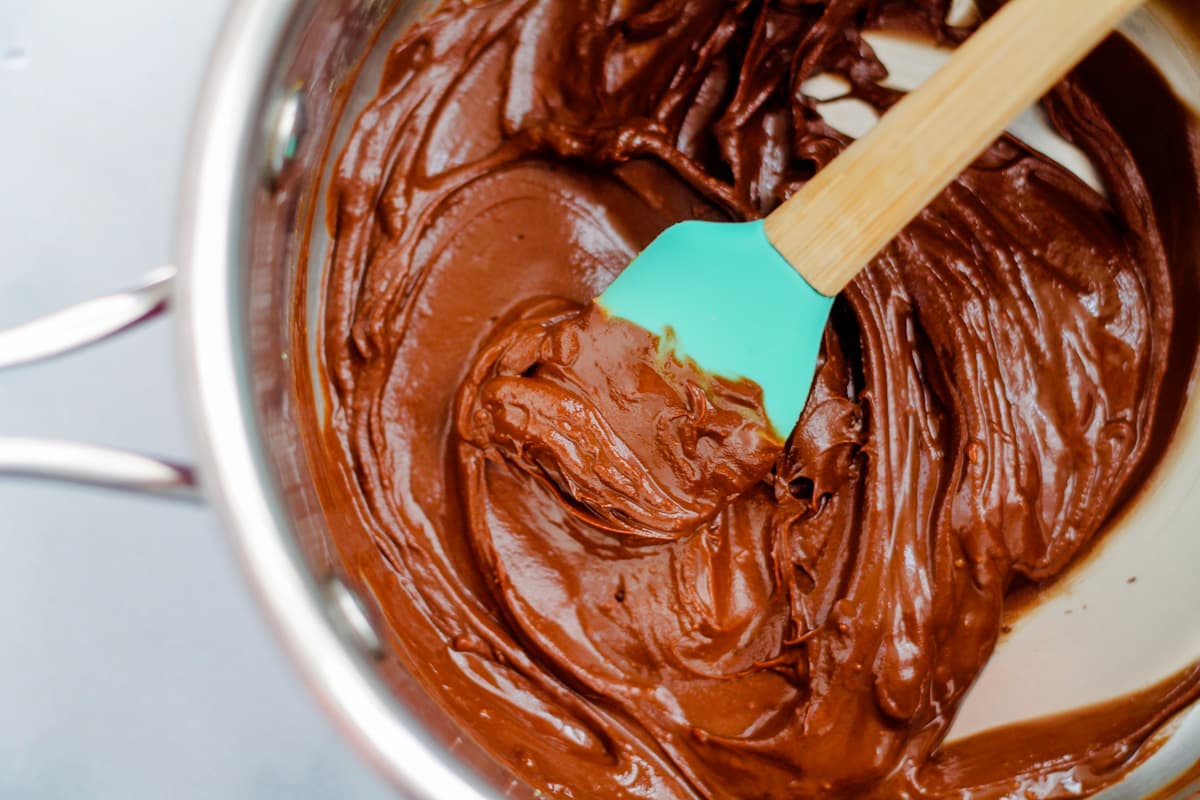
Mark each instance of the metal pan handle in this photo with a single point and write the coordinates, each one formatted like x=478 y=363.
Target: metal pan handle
x=71 y=329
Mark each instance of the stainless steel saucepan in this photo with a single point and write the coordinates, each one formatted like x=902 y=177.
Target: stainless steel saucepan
x=286 y=79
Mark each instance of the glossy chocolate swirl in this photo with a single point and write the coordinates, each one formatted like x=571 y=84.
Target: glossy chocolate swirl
x=588 y=551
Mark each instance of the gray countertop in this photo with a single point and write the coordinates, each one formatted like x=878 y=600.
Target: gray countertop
x=134 y=663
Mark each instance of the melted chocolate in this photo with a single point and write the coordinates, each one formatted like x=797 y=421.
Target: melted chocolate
x=588 y=551
x=647 y=446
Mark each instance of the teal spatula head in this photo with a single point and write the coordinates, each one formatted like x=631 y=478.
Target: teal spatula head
x=723 y=296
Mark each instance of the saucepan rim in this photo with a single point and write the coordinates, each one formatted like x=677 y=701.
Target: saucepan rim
x=232 y=463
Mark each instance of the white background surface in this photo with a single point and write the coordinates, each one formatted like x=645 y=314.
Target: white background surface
x=133 y=661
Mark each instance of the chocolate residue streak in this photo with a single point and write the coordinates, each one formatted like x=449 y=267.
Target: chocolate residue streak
x=587 y=549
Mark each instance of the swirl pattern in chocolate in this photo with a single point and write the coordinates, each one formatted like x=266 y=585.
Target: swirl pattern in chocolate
x=587 y=550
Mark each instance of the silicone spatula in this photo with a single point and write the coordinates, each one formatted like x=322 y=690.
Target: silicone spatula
x=751 y=300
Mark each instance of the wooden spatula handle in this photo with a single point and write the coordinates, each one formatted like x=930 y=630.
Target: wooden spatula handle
x=844 y=216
